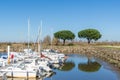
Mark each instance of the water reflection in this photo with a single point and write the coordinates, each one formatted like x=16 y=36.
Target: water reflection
x=89 y=67
x=67 y=66
x=84 y=63
x=50 y=74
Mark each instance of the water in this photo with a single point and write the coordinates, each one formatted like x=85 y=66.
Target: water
x=79 y=67
x=3 y=53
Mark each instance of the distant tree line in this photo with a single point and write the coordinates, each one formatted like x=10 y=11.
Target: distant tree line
x=89 y=34
x=63 y=35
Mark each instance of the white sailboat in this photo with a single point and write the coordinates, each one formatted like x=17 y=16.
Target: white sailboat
x=20 y=71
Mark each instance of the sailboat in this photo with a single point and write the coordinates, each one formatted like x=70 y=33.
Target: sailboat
x=19 y=69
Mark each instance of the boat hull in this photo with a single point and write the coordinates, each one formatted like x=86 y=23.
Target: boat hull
x=21 y=74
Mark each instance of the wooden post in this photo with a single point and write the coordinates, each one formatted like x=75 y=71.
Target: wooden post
x=12 y=74
x=27 y=75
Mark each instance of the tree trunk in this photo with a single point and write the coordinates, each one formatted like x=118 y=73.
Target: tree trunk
x=89 y=40
x=63 y=42
x=89 y=61
x=56 y=43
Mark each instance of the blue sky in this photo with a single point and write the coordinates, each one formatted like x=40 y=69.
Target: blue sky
x=56 y=15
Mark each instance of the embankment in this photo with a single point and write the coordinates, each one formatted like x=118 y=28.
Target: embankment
x=111 y=55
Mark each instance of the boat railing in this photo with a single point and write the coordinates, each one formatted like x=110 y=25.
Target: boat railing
x=3 y=76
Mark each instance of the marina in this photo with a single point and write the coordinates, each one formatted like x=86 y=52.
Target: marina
x=30 y=64
x=79 y=66
x=59 y=40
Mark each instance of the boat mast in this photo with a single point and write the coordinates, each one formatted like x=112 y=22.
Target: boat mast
x=51 y=37
x=28 y=32
x=39 y=36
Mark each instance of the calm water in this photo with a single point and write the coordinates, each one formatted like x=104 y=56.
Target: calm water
x=78 y=67
x=3 y=53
